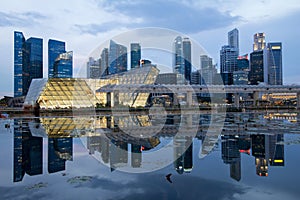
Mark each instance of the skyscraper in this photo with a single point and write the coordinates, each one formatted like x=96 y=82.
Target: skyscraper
x=182 y=59
x=233 y=38
x=178 y=61
x=187 y=56
x=117 y=58
x=55 y=48
x=228 y=57
x=240 y=77
x=63 y=65
x=135 y=55
x=228 y=63
x=104 y=62
x=258 y=71
x=28 y=62
x=93 y=68
x=259 y=42
x=208 y=71
x=274 y=63
x=256 y=74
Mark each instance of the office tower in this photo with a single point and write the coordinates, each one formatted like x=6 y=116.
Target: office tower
x=240 y=77
x=228 y=57
x=117 y=58
x=208 y=70
x=196 y=77
x=178 y=61
x=187 y=56
x=257 y=69
x=228 y=63
x=118 y=154
x=259 y=42
x=273 y=63
x=233 y=38
x=135 y=55
x=28 y=62
x=63 y=65
x=55 y=48
x=104 y=62
x=59 y=151
x=93 y=68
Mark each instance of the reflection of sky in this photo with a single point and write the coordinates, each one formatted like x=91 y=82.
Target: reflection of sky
x=209 y=179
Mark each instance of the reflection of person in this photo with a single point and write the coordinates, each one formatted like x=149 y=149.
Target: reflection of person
x=168 y=177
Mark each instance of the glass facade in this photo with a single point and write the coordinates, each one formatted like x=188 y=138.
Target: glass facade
x=68 y=93
x=228 y=62
x=55 y=48
x=135 y=55
x=178 y=62
x=28 y=62
x=19 y=41
x=256 y=74
x=93 y=68
x=117 y=58
x=187 y=56
x=63 y=65
x=274 y=63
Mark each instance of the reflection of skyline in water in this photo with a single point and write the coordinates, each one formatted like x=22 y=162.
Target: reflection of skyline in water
x=118 y=149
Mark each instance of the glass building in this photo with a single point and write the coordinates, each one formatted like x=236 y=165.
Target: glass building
x=117 y=58
x=178 y=60
x=135 y=55
x=259 y=41
x=55 y=48
x=28 y=62
x=274 y=63
x=187 y=56
x=256 y=74
x=240 y=77
x=63 y=65
x=68 y=93
x=104 y=62
x=228 y=63
x=93 y=68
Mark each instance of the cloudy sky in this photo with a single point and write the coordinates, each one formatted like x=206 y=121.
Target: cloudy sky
x=85 y=24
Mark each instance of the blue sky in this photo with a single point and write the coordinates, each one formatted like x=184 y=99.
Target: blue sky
x=85 y=24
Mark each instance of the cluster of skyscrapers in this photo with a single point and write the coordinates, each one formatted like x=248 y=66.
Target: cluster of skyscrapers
x=28 y=61
x=113 y=60
x=264 y=66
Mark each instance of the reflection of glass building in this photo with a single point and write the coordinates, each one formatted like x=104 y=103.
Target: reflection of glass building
x=183 y=154
x=28 y=151
x=55 y=48
x=59 y=150
x=231 y=155
x=63 y=65
x=28 y=62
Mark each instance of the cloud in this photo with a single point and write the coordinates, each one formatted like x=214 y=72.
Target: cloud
x=24 y=19
x=166 y=14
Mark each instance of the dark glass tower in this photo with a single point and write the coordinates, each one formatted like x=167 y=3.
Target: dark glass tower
x=117 y=58
x=178 y=61
x=256 y=74
x=274 y=63
x=135 y=55
x=187 y=54
x=63 y=65
x=55 y=48
x=28 y=62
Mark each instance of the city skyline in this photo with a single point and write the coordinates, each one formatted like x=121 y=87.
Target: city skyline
x=210 y=32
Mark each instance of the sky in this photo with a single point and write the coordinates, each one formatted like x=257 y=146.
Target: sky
x=85 y=25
